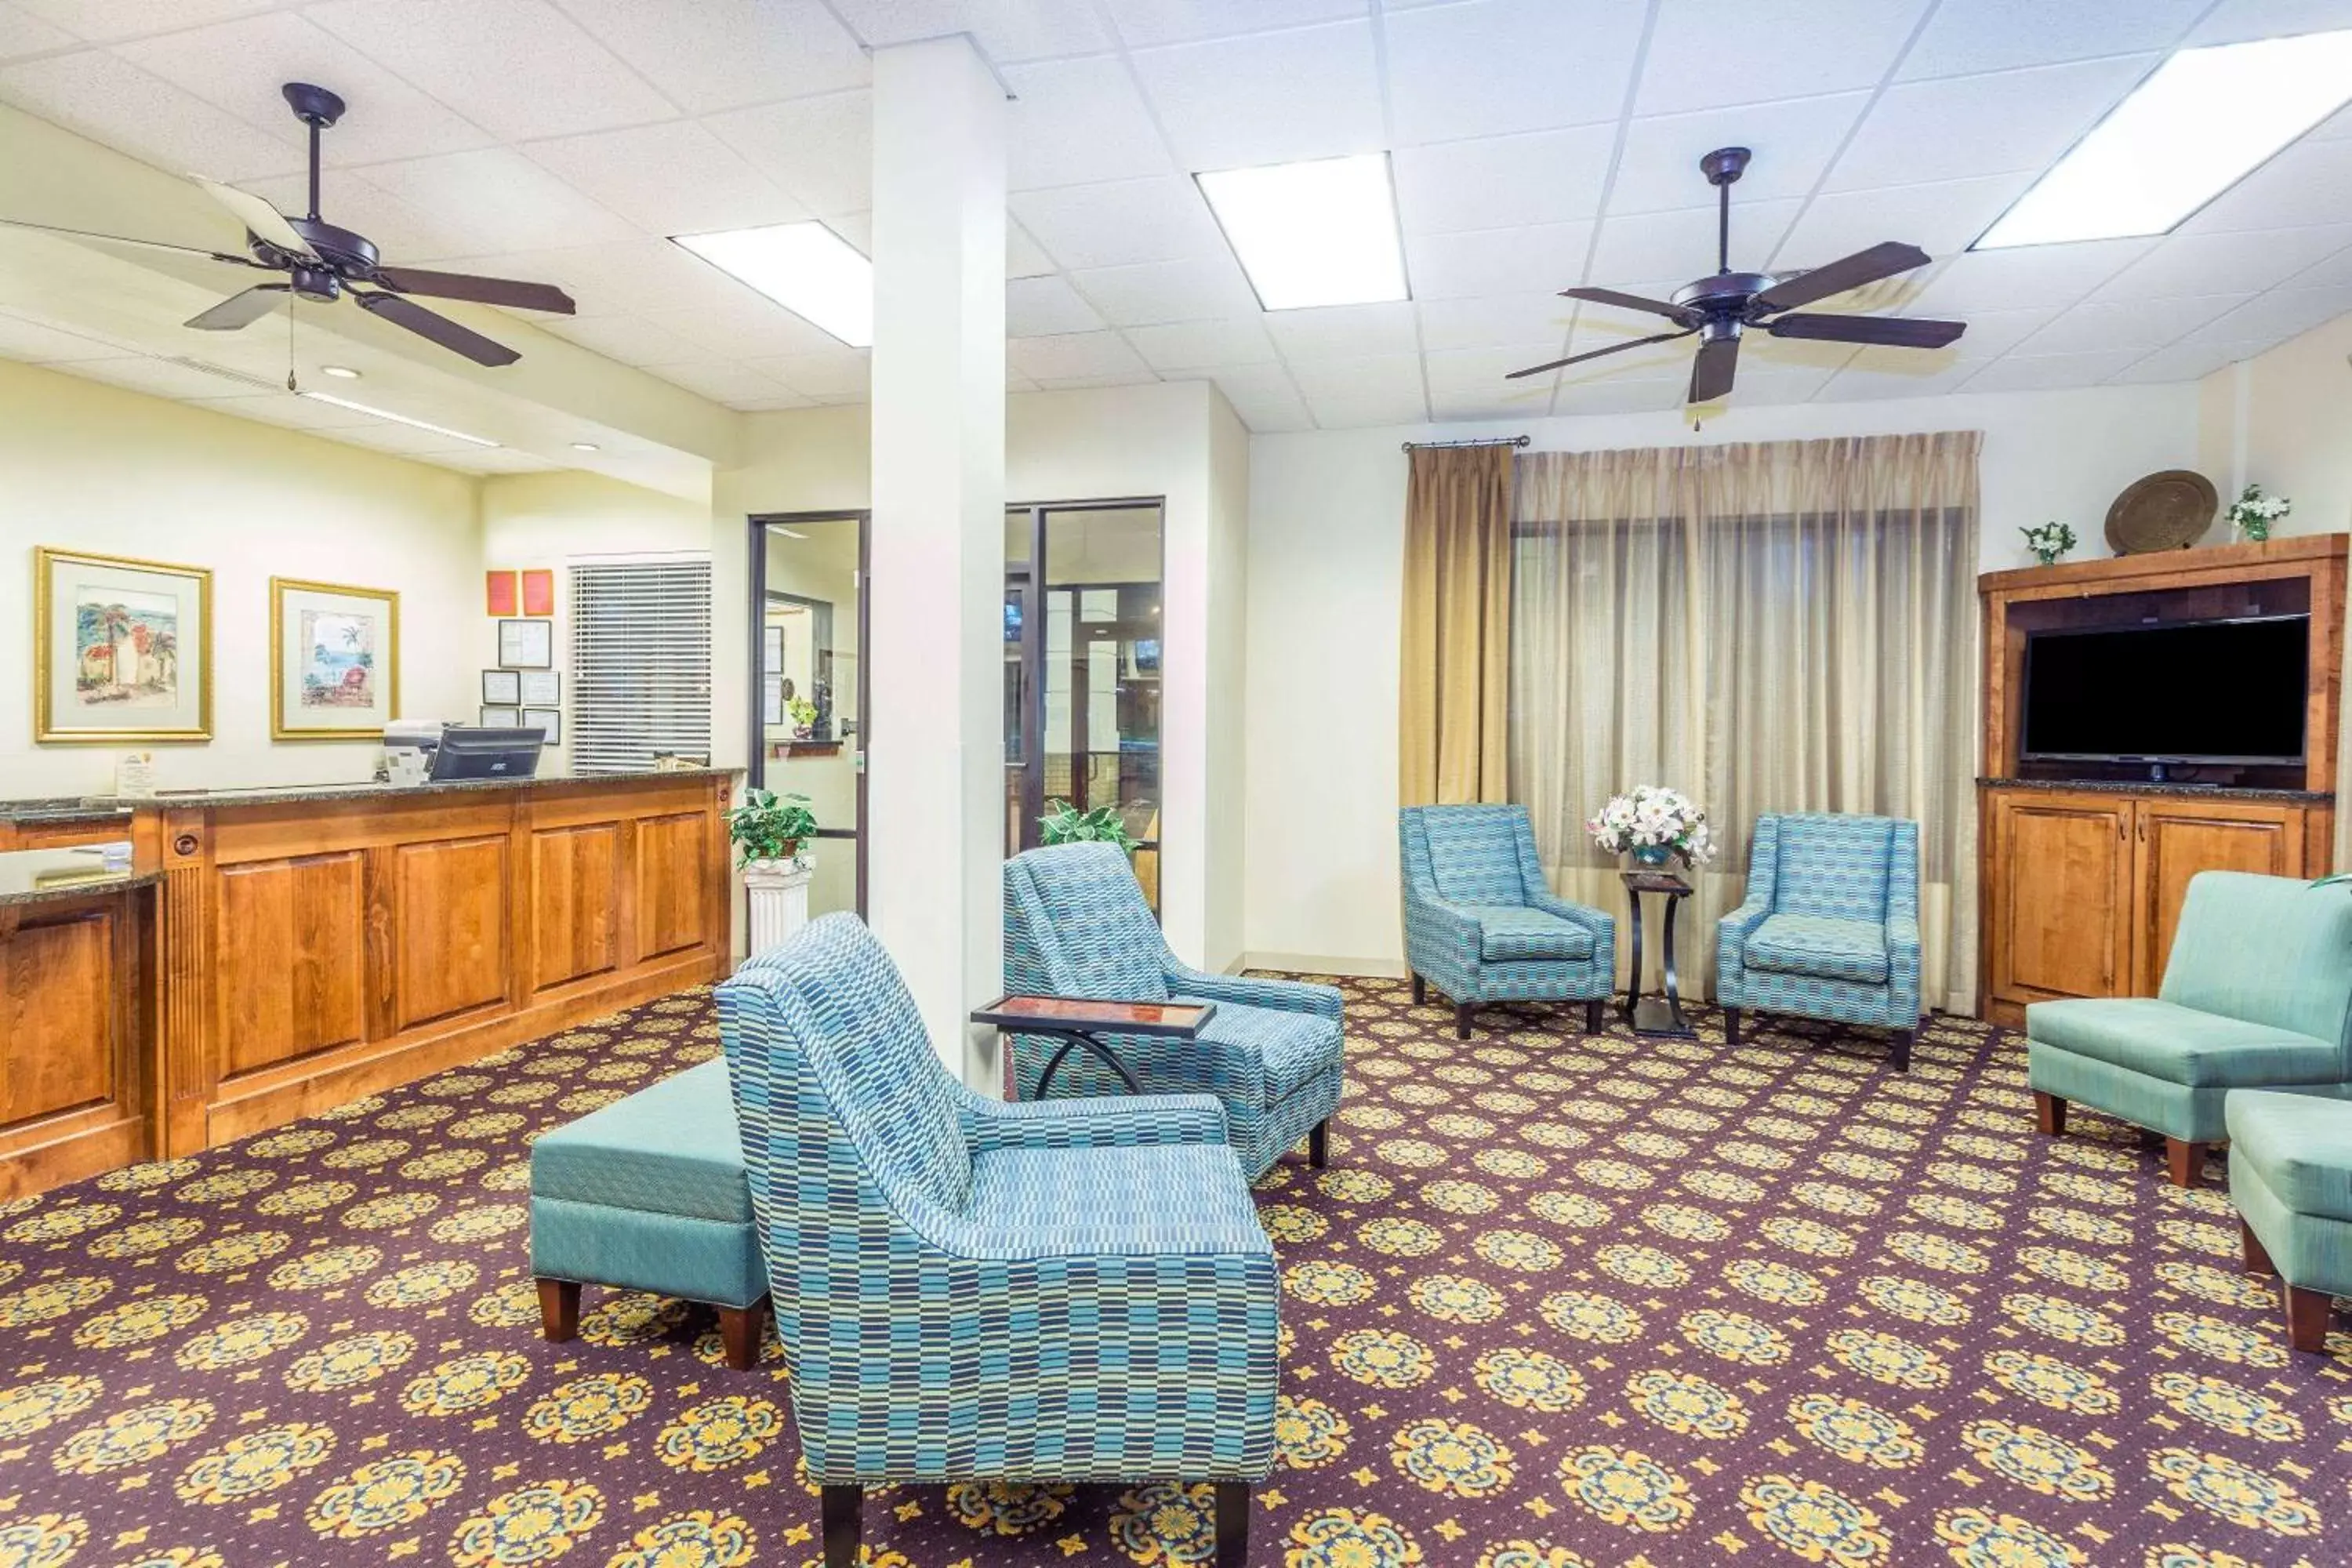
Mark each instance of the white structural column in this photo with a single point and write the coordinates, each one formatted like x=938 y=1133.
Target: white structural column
x=935 y=760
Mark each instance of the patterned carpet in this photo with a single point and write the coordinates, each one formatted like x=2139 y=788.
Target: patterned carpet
x=1558 y=1301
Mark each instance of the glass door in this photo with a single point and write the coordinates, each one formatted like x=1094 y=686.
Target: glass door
x=808 y=691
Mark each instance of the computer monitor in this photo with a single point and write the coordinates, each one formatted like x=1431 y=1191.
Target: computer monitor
x=470 y=752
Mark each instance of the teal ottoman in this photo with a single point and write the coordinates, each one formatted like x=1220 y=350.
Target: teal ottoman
x=649 y=1193
x=2290 y=1177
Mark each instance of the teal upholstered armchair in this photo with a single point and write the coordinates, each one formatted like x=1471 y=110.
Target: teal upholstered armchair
x=2256 y=994
x=1075 y=1290
x=1075 y=924
x=1830 y=926
x=1483 y=925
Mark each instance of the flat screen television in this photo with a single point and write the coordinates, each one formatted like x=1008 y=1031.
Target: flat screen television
x=2222 y=692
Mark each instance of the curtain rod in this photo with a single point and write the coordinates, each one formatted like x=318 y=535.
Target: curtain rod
x=1488 y=441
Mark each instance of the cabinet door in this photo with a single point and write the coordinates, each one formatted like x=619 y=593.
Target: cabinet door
x=2177 y=838
x=2064 y=876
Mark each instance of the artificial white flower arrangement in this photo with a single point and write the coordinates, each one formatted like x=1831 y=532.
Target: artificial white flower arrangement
x=1653 y=824
x=2253 y=513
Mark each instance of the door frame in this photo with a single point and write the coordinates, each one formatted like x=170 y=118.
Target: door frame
x=756 y=611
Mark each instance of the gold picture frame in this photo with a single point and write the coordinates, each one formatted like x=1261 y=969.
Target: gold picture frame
x=153 y=630
x=345 y=692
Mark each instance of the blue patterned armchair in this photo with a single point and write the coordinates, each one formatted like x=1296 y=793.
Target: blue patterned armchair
x=1075 y=926
x=1481 y=923
x=1830 y=928
x=1075 y=1290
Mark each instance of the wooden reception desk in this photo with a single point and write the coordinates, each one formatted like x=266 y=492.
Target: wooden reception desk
x=281 y=952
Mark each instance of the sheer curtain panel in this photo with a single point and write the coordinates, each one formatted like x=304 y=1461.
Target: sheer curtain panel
x=1785 y=626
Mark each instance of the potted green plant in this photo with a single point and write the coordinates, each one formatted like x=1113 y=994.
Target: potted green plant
x=1066 y=823
x=2048 y=541
x=770 y=833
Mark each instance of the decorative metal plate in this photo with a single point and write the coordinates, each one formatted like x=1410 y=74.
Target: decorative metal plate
x=2167 y=511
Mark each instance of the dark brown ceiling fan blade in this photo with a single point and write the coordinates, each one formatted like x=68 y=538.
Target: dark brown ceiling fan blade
x=240 y=310
x=1711 y=372
x=1628 y=302
x=439 y=329
x=1894 y=332
x=481 y=291
x=140 y=244
x=1596 y=353
x=1847 y=272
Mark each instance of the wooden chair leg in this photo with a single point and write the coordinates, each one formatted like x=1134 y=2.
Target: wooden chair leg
x=2257 y=1256
x=1903 y=1038
x=2049 y=1114
x=1592 y=1016
x=2185 y=1161
x=1462 y=1011
x=738 y=1331
x=1318 y=1144
x=1233 y=1524
x=2307 y=1313
x=1420 y=989
x=843 y=1509
x=1731 y=1026
x=559 y=1308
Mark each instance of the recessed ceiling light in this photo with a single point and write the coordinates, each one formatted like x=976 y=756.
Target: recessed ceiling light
x=397 y=419
x=586 y=447
x=2199 y=124
x=339 y=372
x=1320 y=233
x=804 y=267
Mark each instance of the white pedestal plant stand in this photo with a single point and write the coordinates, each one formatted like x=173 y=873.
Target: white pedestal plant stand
x=778 y=890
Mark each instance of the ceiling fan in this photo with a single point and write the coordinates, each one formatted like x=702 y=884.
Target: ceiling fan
x=1717 y=309
x=323 y=263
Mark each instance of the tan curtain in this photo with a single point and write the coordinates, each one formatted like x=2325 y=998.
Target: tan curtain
x=1455 y=669
x=1776 y=626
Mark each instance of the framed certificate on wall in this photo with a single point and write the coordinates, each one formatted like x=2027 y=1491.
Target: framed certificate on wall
x=527 y=645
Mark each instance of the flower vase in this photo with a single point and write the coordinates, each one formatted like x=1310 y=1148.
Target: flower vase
x=1651 y=857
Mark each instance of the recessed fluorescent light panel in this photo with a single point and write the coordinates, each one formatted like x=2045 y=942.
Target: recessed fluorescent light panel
x=2202 y=121
x=804 y=267
x=1320 y=233
x=396 y=418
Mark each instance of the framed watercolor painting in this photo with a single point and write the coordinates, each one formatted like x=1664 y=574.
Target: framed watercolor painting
x=122 y=649
x=334 y=660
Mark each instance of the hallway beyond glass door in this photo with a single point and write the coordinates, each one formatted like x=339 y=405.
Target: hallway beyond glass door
x=808 y=690
x=1082 y=668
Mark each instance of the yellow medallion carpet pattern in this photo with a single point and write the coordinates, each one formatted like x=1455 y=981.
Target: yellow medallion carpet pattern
x=1560 y=1301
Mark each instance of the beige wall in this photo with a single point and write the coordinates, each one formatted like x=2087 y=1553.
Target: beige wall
x=95 y=468
x=2284 y=420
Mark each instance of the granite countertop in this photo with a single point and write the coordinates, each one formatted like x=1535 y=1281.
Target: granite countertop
x=38 y=875
x=99 y=807
x=2149 y=786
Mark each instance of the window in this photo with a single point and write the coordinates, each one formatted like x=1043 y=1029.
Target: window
x=640 y=663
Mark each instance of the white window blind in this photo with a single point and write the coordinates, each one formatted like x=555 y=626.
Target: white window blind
x=640 y=662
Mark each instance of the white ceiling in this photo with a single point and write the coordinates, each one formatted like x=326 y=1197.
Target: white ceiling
x=1538 y=143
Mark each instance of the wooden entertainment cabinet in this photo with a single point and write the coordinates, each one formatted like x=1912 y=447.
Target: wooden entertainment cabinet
x=2082 y=877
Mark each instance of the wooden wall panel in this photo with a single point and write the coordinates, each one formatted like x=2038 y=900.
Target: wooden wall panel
x=575 y=902
x=289 y=956
x=60 y=1040
x=448 y=935
x=672 y=911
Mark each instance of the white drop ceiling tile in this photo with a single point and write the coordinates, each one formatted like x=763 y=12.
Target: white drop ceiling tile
x=1266 y=398
x=1155 y=294
x=401 y=440
x=1344 y=332
x=2026 y=279
x=1270 y=98
x=1959 y=127
x=2038 y=372
x=1144 y=23
x=2141 y=324
x=1357 y=407
x=2184 y=265
x=1494 y=322
x=500 y=200
x=353 y=200
x=1490 y=68
x=1050 y=360
x=1761 y=351
x=1620 y=396
x=1120 y=224
x=102 y=21
x=721 y=381
x=1623 y=332
x=1374 y=375
x=111 y=100
x=518 y=68
x=494 y=460
x=631 y=340
x=1492 y=182
x=2324 y=274
x=1761 y=380
x=2236 y=21
x=1023 y=258
x=1664 y=244
x=239 y=66
x=1793 y=143
x=1085 y=382
x=1203 y=345
x=1077 y=122
x=1008 y=33
x=618 y=279
x=1016 y=381
x=2188 y=362
x=1943 y=218
x=749 y=325
x=1869 y=375
x=157 y=376
x=2307 y=182
x=674 y=177
x=819 y=149
x=2276 y=316
x=1485 y=375
x=722 y=54
x=38 y=344
x=834 y=374
x=1967 y=36
x=1041 y=307
x=286 y=410
x=1992 y=333
x=1498 y=262
x=22 y=33
x=1706 y=53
